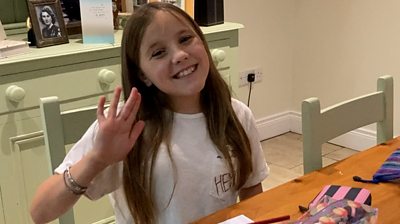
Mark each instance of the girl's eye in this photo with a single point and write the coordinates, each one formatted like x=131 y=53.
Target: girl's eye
x=185 y=39
x=157 y=53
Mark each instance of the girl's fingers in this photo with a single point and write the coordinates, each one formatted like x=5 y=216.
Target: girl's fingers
x=112 y=111
x=133 y=112
x=100 y=108
x=126 y=110
x=131 y=104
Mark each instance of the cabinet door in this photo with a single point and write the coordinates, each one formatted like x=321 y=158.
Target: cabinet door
x=24 y=165
x=13 y=11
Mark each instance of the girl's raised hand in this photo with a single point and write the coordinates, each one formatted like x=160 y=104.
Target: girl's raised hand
x=117 y=132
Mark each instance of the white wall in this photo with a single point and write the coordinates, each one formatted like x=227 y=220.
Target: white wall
x=266 y=41
x=334 y=50
x=342 y=47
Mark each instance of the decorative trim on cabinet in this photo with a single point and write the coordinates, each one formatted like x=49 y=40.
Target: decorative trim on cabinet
x=15 y=145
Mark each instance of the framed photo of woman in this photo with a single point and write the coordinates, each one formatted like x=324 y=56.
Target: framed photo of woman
x=47 y=22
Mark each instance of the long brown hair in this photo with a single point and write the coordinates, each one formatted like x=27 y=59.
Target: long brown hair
x=224 y=128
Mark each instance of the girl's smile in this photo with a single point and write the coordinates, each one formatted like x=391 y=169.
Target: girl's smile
x=185 y=72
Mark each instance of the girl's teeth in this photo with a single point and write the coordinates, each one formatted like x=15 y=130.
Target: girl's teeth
x=185 y=72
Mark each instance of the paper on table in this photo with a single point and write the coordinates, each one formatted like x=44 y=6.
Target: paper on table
x=241 y=219
x=11 y=47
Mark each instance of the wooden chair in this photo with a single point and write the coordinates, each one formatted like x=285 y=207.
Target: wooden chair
x=62 y=129
x=320 y=126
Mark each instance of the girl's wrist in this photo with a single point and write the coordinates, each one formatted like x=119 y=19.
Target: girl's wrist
x=87 y=169
x=95 y=163
x=72 y=184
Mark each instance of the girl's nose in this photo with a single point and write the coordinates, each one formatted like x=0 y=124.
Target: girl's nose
x=179 y=56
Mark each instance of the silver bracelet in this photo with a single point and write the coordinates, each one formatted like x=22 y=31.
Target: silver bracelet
x=71 y=184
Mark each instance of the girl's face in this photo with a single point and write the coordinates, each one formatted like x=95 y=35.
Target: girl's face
x=46 y=18
x=173 y=58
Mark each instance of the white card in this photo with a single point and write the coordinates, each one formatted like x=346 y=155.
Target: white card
x=97 y=21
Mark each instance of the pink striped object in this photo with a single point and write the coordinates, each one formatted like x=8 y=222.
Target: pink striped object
x=360 y=195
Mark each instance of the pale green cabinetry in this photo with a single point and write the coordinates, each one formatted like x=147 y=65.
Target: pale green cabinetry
x=72 y=72
x=13 y=15
x=77 y=74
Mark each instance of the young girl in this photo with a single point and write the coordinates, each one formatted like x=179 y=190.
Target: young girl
x=188 y=150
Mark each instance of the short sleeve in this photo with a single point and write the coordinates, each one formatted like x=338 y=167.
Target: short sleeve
x=260 y=167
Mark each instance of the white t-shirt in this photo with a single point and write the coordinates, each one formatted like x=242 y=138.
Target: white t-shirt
x=203 y=183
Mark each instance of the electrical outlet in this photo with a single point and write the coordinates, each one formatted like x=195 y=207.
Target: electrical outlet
x=243 y=76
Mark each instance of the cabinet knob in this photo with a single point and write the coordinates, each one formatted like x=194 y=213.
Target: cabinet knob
x=218 y=55
x=106 y=76
x=15 y=93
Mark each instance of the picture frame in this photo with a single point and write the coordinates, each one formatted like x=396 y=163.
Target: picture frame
x=47 y=22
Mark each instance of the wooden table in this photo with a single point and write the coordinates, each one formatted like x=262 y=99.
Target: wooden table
x=285 y=199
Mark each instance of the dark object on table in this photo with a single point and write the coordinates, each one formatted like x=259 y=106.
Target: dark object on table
x=31 y=37
x=72 y=16
x=71 y=8
x=209 y=12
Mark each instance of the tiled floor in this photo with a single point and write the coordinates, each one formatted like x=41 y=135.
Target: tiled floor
x=284 y=155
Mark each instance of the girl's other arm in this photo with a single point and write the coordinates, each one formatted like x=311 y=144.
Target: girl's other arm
x=53 y=198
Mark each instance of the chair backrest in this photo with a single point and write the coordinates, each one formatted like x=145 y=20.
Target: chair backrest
x=61 y=129
x=320 y=126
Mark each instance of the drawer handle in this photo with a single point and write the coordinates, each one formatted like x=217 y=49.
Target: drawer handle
x=15 y=93
x=218 y=55
x=106 y=76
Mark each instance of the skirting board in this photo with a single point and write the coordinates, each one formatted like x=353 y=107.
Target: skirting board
x=281 y=123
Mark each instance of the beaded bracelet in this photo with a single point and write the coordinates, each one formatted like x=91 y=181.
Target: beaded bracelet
x=71 y=184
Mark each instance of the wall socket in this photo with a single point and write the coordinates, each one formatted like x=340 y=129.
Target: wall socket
x=243 y=76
